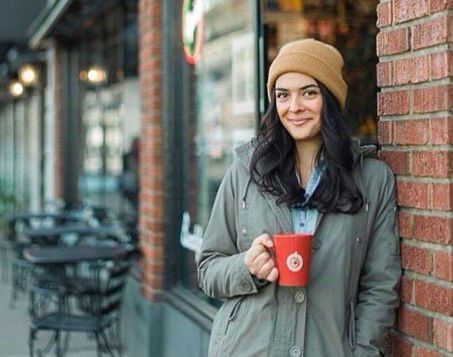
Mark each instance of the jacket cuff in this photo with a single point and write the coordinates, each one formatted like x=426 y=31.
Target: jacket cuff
x=259 y=283
x=246 y=282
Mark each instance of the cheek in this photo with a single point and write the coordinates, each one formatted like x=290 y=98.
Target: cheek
x=280 y=110
x=318 y=125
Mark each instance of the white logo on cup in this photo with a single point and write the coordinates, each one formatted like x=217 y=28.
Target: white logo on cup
x=294 y=262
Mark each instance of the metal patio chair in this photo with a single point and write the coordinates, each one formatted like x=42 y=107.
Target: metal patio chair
x=20 y=268
x=89 y=301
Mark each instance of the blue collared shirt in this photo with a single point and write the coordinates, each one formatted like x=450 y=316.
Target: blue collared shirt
x=304 y=219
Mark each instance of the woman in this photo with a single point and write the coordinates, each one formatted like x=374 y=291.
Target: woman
x=303 y=174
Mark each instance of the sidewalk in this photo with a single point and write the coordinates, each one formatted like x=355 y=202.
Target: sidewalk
x=14 y=330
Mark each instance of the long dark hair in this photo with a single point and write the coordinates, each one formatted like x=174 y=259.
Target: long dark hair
x=273 y=166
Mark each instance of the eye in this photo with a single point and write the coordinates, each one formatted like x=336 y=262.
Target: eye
x=281 y=95
x=311 y=93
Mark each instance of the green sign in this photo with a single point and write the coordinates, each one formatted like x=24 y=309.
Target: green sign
x=192 y=29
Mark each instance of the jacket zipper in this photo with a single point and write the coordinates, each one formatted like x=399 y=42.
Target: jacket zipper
x=352 y=341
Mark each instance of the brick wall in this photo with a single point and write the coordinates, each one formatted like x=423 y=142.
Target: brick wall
x=416 y=131
x=151 y=156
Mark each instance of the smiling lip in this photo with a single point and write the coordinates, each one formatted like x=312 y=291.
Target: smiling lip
x=299 y=121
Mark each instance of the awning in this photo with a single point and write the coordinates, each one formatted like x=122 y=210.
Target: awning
x=46 y=21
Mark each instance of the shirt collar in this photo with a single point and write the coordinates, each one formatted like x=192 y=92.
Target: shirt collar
x=313 y=181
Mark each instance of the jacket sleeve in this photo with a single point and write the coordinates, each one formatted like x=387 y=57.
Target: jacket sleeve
x=222 y=272
x=379 y=280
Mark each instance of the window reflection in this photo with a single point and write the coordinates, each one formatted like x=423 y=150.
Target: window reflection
x=222 y=111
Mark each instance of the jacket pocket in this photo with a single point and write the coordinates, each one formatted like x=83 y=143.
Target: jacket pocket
x=225 y=333
x=233 y=315
x=221 y=325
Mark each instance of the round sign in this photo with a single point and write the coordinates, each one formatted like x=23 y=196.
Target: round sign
x=294 y=262
x=192 y=29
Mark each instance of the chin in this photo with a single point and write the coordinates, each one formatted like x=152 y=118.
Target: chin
x=305 y=137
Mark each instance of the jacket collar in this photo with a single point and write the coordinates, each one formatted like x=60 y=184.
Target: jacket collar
x=360 y=151
x=245 y=151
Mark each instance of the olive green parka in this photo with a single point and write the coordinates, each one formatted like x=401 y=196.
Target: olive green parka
x=349 y=303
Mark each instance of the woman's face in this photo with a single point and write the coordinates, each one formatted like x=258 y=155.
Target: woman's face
x=299 y=105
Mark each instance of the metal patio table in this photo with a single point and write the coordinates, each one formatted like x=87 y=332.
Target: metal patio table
x=65 y=271
x=71 y=255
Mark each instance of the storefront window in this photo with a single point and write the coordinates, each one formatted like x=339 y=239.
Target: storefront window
x=221 y=88
x=222 y=114
x=348 y=25
x=110 y=160
x=111 y=113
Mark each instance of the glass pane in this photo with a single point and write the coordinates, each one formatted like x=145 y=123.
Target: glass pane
x=348 y=25
x=110 y=162
x=222 y=112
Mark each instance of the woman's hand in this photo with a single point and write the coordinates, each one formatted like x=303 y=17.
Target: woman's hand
x=258 y=259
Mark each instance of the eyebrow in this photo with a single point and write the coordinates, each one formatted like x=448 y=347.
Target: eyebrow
x=301 y=88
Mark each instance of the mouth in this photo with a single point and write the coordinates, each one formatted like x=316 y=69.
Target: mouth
x=299 y=121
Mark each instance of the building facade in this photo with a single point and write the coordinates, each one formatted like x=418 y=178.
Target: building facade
x=142 y=103
x=210 y=104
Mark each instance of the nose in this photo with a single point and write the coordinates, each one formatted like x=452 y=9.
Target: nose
x=296 y=104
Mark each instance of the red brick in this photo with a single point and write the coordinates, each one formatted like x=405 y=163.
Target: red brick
x=412 y=194
x=442 y=131
x=150 y=38
x=433 y=229
x=432 y=99
x=407 y=288
x=414 y=324
x=152 y=226
x=423 y=352
x=151 y=160
x=384 y=14
x=405 y=223
x=153 y=239
x=442 y=194
x=405 y=10
x=411 y=132
x=441 y=64
x=421 y=68
x=443 y=334
x=397 y=347
x=385 y=132
x=153 y=280
x=154 y=269
x=403 y=71
x=392 y=103
x=392 y=42
x=412 y=70
x=443 y=265
x=431 y=33
x=434 y=297
x=152 y=252
x=384 y=74
x=440 y=5
x=431 y=163
x=416 y=259
x=397 y=161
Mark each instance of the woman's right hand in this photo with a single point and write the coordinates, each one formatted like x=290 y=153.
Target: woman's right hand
x=258 y=259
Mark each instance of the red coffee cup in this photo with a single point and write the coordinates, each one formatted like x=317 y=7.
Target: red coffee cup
x=292 y=256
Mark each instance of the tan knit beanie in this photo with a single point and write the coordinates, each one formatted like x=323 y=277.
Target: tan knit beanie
x=315 y=59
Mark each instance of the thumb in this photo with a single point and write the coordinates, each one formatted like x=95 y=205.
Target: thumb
x=267 y=241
